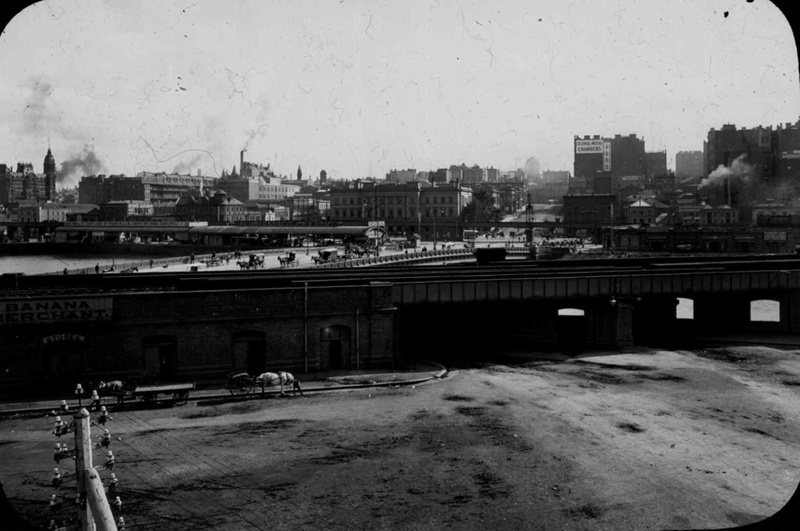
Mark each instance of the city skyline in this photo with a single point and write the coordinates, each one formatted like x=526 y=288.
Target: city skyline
x=358 y=88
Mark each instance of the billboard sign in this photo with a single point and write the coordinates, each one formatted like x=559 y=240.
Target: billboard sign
x=589 y=146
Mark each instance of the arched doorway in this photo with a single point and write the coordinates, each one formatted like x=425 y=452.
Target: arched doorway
x=571 y=328
x=160 y=356
x=63 y=361
x=249 y=352
x=335 y=341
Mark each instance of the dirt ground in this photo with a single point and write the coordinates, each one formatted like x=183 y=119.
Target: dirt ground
x=640 y=440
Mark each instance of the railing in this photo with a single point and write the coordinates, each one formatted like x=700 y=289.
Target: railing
x=166 y=262
x=416 y=257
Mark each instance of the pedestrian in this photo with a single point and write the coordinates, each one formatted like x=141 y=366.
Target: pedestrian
x=57 y=479
x=97 y=268
x=65 y=270
x=151 y=263
x=105 y=441
x=191 y=258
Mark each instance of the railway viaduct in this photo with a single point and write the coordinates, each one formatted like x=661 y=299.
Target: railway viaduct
x=194 y=326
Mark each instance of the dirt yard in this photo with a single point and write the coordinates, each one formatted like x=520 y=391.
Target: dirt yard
x=641 y=440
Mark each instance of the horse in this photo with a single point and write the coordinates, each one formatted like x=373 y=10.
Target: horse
x=114 y=385
x=280 y=378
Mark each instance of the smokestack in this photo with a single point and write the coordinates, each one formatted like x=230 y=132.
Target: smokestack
x=241 y=162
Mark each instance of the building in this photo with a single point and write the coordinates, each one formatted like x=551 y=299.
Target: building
x=442 y=175
x=646 y=212
x=475 y=174
x=689 y=164
x=655 y=164
x=705 y=214
x=492 y=175
x=628 y=157
x=404 y=208
x=25 y=184
x=252 y=169
x=589 y=209
x=257 y=188
x=216 y=209
x=555 y=176
x=401 y=176
x=146 y=186
x=126 y=211
x=591 y=156
x=45 y=211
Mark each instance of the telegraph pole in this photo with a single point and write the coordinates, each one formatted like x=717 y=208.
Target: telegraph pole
x=83 y=463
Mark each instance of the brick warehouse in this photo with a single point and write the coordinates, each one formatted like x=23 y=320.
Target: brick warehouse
x=194 y=334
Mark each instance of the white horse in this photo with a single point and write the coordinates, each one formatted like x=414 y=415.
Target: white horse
x=269 y=379
x=115 y=385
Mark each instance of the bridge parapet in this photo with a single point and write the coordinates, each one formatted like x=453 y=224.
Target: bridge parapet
x=590 y=286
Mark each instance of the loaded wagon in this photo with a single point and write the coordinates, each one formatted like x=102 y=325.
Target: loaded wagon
x=176 y=393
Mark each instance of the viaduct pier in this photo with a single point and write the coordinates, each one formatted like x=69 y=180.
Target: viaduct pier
x=205 y=325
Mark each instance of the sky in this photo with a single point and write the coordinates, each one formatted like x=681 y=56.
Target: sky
x=360 y=87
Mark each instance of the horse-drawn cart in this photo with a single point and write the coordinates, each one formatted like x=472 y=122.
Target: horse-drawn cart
x=241 y=384
x=149 y=393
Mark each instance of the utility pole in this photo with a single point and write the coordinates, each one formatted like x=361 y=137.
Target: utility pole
x=83 y=462
x=94 y=511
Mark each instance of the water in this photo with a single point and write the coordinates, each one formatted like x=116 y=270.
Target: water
x=41 y=264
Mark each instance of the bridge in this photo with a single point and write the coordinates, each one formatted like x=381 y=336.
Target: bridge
x=204 y=324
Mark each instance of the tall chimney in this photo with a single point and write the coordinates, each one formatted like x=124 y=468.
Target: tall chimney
x=241 y=162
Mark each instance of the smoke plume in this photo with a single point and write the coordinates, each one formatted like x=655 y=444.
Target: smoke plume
x=186 y=167
x=739 y=172
x=78 y=165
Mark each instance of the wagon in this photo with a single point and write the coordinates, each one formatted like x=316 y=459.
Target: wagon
x=241 y=384
x=149 y=393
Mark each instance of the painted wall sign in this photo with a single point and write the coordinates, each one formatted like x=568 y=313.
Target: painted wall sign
x=54 y=310
x=774 y=236
x=63 y=337
x=589 y=146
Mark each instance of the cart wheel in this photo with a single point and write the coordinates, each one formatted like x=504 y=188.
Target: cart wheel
x=241 y=387
x=180 y=399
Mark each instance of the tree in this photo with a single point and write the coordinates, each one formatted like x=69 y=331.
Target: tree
x=481 y=210
x=299 y=173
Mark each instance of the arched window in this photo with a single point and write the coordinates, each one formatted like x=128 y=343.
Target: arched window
x=685 y=309
x=765 y=311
